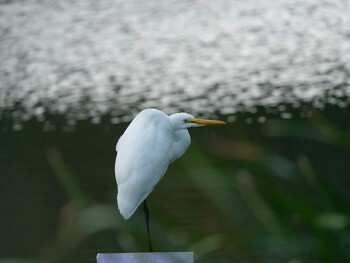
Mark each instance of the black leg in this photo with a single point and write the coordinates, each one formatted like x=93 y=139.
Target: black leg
x=146 y=211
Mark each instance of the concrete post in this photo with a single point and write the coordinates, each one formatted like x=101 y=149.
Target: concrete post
x=158 y=257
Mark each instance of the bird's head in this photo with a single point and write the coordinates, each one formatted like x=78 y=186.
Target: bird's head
x=184 y=120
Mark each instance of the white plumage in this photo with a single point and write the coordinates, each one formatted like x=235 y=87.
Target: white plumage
x=151 y=141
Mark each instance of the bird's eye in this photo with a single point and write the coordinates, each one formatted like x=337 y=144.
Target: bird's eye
x=187 y=120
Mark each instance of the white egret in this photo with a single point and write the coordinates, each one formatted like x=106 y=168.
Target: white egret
x=150 y=143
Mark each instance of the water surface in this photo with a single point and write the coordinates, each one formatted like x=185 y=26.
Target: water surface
x=88 y=58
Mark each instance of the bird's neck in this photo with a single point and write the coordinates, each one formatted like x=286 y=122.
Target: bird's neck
x=182 y=140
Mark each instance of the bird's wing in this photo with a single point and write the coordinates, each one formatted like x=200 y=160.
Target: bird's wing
x=144 y=153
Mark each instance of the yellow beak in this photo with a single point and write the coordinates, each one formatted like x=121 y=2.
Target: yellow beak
x=206 y=122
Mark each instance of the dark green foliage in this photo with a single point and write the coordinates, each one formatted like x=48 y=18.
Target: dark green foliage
x=271 y=191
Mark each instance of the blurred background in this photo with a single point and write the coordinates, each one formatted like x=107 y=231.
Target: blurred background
x=270 y=186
